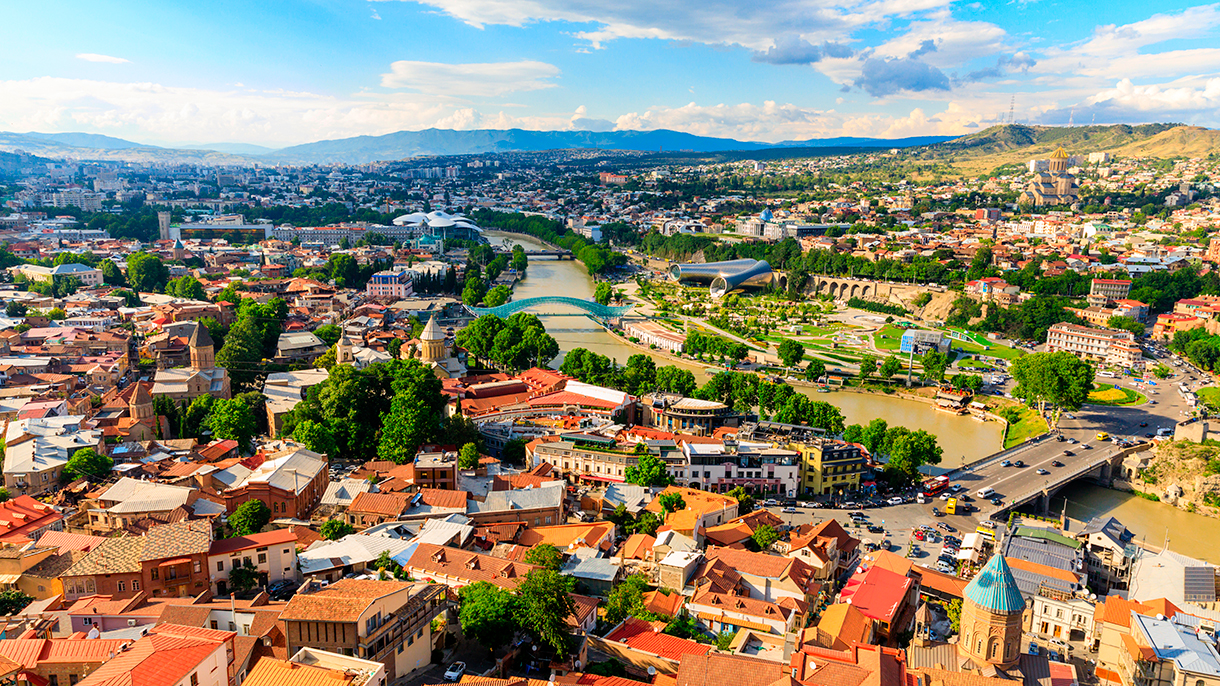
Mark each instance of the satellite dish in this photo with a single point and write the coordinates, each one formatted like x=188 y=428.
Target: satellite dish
x=652 y=671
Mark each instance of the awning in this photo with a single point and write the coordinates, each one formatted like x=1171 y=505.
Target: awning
x=609 y=479
x=32 y=678
x=174 y=561
x=7 y=579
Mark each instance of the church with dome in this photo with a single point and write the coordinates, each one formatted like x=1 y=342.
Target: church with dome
x=1053 y=187
x=432 y=349
x=989 y=640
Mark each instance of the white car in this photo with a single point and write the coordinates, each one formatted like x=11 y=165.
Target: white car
x=455 y=671
x=894 y=501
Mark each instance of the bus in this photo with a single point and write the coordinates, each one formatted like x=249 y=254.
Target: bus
x=951 y=506
x=935 y=486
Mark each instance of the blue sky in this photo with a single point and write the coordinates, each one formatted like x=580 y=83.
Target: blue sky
x=280 y=72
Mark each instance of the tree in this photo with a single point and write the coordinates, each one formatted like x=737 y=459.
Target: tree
x=56 y=314
x=544 y=555
x=497 y=296
x=764 y=536
x=250 y=517
x=626 y=599
x=415 y=412
x=1060 y=381
x=745 y=501
x=647 y=524
x=473 y=291
x=111 y=274
x=187 y=287
x=86 y=463
x=954 y=611
x=334 y=529
x=1126 y=324
x=603 y=293
x=545 y=603
x=890 y=367
x=232 y=420
x=1161 y=371
x=672 y=502
x=673 y=379
x=910 y=451
x=922 y=299
x=513 y=452
x=4 y=494
x=799 y=409
x=816 y=369
x=244 y=577
x=329 y=333
x=15 y=309
x=146 y=273
x=934 y=365
x=791 y=352
x=724 y=639
x=13 y=601
x=649 y=470
x=487 y=613
x=468 y=457
x=868 y=366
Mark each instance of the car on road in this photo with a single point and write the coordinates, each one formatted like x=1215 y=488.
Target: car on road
x=1143 y=424
x=997 y=501
x=455 y=671
x=1056 y=463
x=1019 y=463
x=1006 y=463
x=937 y=513
x=1042 y=472
x=875 y=529
x=1068 y=453
x=946 y=496
x=1086 y=446
x=770 y=502
x=896 y=500
x=1103 y=436
x=1148 y=435
x=944 y=526
x=789 y=510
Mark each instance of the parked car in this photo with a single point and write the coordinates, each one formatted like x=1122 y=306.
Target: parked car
x=283 y=589
x=944 y=526
x=455 y=671
x=1060 y=644
x=770 y=502
x=874 y=529
x=896 y=500
x=789 y=510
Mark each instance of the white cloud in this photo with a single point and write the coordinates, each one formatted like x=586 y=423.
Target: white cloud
x=486 y=79
x=715 y=22
x=94 y=57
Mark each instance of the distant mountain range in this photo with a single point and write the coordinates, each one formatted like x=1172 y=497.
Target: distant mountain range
x=408 y=144
x=981 y=151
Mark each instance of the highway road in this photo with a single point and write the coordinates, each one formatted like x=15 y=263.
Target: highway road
x=1083 y=426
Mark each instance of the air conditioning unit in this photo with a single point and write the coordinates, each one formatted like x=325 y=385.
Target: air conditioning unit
x=131 y=622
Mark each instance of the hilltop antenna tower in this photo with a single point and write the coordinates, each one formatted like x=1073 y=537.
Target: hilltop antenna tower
x=1071 y=117
x=1011 y=105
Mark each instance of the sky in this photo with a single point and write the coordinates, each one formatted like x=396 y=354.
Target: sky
x=284 y=72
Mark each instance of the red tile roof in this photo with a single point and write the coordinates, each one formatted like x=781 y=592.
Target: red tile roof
x=23 y=515
x=647 y=636
x=229 y=545
x=162 y=658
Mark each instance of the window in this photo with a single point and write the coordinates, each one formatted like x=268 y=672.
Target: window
x=135 y=585
x=53 y=679
x=195 y=679
x=262 y=558
x=122 y=586
x=198 y=566
x=155 y=574
x=215 y=625
x=87 y=621
x=220 y=565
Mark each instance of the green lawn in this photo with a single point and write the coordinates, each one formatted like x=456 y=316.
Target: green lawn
x=888 y=338
x=1029 y=426
x=1107 y=394
x=1210 y=396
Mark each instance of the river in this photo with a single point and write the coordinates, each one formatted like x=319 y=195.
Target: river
x=1189 y=534
x=960 y=437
